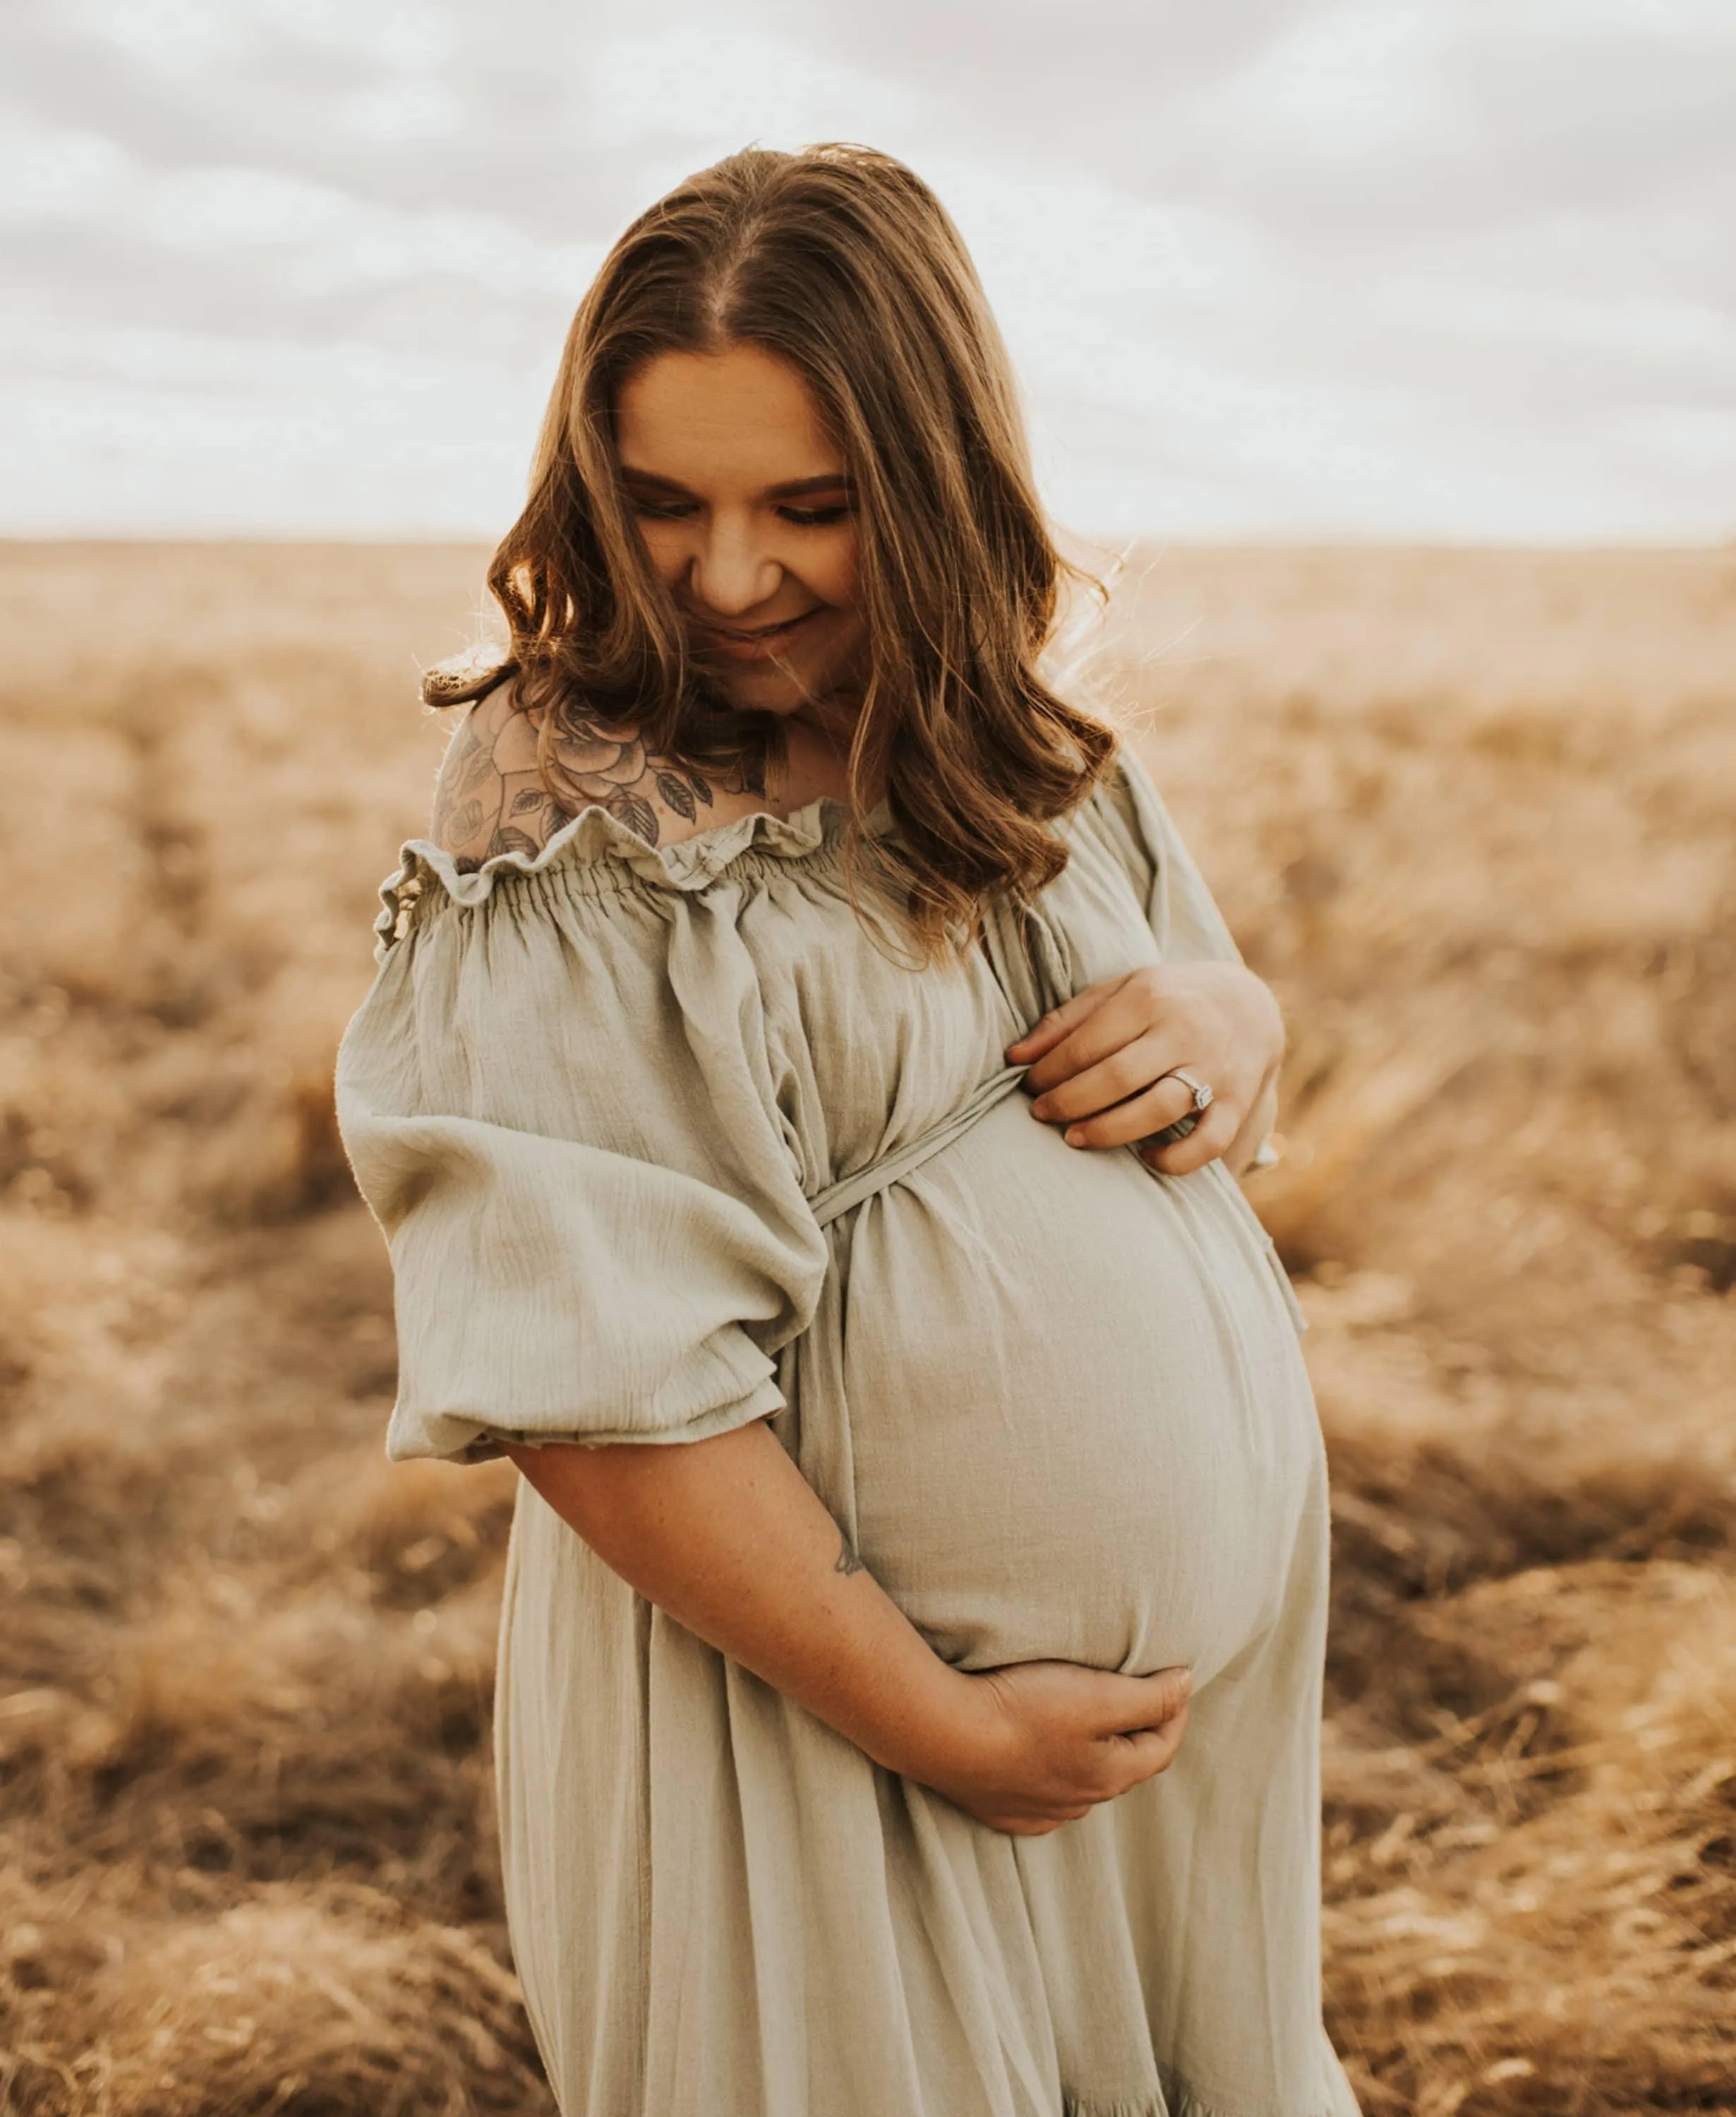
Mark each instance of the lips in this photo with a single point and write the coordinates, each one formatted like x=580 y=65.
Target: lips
x=761 y=644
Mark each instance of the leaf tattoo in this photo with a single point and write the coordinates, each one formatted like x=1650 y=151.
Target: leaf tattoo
x=475 y=766
x=636 y=814
x=466 y=822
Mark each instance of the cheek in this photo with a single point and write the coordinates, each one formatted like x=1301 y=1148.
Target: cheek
x=666 y=547
x=832 y=573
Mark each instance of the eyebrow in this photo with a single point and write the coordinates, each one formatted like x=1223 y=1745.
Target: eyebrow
x=795 y=488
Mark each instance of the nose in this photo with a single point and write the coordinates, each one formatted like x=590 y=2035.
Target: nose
x=732 y=573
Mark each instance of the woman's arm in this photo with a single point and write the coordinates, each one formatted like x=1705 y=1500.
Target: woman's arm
x=728 y=1537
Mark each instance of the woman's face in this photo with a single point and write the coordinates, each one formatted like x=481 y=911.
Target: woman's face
x=741 y=497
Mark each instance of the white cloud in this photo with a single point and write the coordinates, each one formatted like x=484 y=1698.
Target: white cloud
x=397 y=34
x=1669 y=333
x=403 y=110
x=1048 y=240
x=1689 y=437
x=58 y=175
x=326 y=240
x=219 y=210
x=724 y=86
x=339 y=243
x=1355 y=85
x=174 y=36
x=186 y=37
x=163 y=431
x=1696 y=27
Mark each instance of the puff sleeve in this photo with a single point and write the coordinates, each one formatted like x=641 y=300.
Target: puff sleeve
x=558 y=1103
x=1179 y=908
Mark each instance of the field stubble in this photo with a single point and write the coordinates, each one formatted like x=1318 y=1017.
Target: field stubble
x=1471 y=814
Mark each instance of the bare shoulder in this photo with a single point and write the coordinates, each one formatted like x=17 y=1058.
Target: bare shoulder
x=490 y=797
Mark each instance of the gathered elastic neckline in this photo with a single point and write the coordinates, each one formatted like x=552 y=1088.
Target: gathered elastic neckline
x=595 y=839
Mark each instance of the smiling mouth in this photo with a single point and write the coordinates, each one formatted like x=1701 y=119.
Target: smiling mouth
x=760 y=644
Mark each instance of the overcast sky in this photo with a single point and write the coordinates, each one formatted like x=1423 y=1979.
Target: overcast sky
x=1417 y=269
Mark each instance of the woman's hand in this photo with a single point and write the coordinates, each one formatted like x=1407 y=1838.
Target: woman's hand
x=1097 y=1063
x=1041 y=1743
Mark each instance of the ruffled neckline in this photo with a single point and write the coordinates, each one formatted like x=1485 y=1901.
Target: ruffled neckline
x=594 y=838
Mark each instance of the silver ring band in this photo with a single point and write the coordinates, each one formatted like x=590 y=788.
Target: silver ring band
x=1201 y=1093
x=1170 y=1133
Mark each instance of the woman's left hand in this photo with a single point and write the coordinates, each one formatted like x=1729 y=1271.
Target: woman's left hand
x=1098 y=1061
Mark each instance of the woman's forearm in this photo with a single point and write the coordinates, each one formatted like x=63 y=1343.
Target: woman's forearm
x=728 y=1537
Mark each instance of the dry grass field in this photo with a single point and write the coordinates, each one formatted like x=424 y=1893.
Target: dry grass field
x=1473 y=814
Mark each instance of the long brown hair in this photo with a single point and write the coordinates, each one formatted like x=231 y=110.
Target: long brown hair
x=841 y=261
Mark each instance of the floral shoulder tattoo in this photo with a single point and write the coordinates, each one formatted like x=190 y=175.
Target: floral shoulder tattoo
x=490 y=797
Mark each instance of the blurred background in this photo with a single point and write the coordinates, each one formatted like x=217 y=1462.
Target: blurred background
x=1384 y=354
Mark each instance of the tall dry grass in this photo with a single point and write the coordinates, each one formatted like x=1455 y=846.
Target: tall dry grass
x=1473 y=815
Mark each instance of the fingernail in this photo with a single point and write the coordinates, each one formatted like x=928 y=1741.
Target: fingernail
x=1075 y=1135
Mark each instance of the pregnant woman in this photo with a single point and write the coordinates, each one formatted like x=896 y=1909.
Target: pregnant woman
x=802 y=1089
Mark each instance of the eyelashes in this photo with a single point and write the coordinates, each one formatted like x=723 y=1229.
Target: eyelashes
x=803 y=517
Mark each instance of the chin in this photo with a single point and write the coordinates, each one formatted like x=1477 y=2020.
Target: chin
x=772 y=692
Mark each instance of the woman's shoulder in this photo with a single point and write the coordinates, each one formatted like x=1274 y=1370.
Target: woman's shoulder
x=607 y=824
x=505 y=787
x=488 y=797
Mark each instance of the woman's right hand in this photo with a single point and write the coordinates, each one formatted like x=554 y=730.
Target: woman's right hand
x=1039 y=1743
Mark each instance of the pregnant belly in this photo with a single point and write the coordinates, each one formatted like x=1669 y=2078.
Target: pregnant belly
x=1079 y=1422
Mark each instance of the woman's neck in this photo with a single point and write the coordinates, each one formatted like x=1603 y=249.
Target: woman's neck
x=817 y=761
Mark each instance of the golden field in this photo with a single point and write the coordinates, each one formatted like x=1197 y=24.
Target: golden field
x=1473 y=814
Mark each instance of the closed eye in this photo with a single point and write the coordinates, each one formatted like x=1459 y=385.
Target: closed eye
x=663 y=510
x=681 y=510
x=813 y=518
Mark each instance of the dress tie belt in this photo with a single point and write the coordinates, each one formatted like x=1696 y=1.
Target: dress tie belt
x=850 y=1191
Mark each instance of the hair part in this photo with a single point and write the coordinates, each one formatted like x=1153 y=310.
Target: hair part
x=843 y=262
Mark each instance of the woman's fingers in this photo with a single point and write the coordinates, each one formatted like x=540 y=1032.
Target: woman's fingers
x=1118 y=1011
x=1043 y=1036
x=1109 y=1078
x=1142 y=1756
x=1112 y=1027
x=1137 y=1703
x=1137 y=1114
x=1209 y=1138
x=1103 y=1068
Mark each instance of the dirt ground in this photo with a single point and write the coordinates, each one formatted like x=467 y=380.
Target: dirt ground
x=1473 y=814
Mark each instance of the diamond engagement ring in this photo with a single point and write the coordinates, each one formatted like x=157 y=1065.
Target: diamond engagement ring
x=1170 y=1133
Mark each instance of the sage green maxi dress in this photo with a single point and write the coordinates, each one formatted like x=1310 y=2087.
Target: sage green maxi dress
x=663 y=1143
